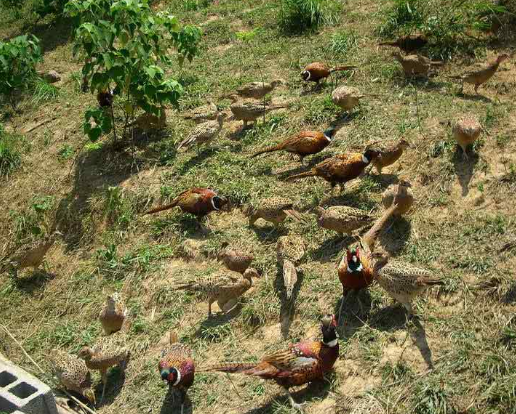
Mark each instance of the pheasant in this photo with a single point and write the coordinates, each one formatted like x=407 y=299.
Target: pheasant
x=356 y=269
x=403 y=281
x=346 y=97
x=316 y=71
x=303 y=143
x=205 y=132
x=197 y=201
x=258 y=90
x=148 y=122
x=389 y=154
x=234 y=259
x=113 y=314
x=341 y=168
x=31 y=255
x=290 y=250
x=414 y=65
x=273 y=210
x=300 y=364
x=250 y=111
x=404 y=197
x=177 y=367
x=466 y=131
x=208 y=112
x=107 y=352
x=408 y=43
x=105 y=98
x=72 y=373
x=222 y=287
x=342 y=219
x=480 y=77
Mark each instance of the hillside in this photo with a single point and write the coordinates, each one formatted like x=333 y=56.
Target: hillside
x=457 y=357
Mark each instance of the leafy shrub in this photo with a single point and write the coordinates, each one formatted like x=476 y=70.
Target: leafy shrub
x=299 y=15
x=126 y=48
x=10 y=157
x=18 y=59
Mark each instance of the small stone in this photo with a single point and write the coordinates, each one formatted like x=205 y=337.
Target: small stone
x=52 y=76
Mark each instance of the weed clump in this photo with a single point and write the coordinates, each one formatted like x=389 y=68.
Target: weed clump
x=10 y=156
x=299 y=15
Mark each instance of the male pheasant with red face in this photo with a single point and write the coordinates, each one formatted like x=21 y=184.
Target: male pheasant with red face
x=300 y=364
x=356 y=269
x=316 y=71
x=303 y=144
x=177 y=367
x=341 y=168
x=197 y=201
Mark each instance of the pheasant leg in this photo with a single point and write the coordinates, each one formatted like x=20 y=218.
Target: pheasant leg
x=295 y=406
x=344 y=296
x=230 y=305
x=104 y=381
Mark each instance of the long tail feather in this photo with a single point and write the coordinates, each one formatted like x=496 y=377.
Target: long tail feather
x=230 y=368
x=372 y=235
x=289 y=277
x=185 y=143
x=294 y=214
x=311 y=173
x=266 y=150
x=161 y=208
x=433 y=282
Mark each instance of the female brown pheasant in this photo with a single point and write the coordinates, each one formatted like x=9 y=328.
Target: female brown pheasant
x=197 y=201
x=341 y=168
x=177 y=367
x=316 y=71
x=300 y=364
x=234 y=259
x=481 y=76
x=113 y=314
x=302 y=144
x=389 y=154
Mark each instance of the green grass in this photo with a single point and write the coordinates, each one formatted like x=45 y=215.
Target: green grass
x=300 y=15
x=10 y=154
x=98 y=197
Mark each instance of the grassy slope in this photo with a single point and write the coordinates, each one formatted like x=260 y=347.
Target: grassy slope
x=462 y=217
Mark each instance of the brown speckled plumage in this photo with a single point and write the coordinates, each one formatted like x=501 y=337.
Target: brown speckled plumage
x=300 y=364
x=343 y=219
x=113 y=314
x=72 y=373
x=223 y=287
x=403 y=281
x=235 y=259
x=479 y=77
x=273 y=210
x=290 y=250
x=466 y=131
x=389 y=154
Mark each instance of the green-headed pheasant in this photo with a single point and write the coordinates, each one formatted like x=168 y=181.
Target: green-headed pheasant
x=300 y=364
x=197 y=201
x=316 y=71
x=341 y=168
x=177 y=367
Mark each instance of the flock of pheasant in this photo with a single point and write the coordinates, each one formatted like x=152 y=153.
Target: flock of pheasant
x=361 y=265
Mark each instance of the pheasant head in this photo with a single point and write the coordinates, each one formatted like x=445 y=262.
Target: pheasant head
x=169 y=374
x=328 y=328
x=354 y=265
